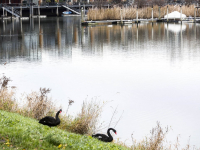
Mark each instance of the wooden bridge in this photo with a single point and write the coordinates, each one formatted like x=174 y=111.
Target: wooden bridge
x=37 y=10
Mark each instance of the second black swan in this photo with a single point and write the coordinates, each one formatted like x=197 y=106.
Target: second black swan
x=105 y=138
x=51 y=121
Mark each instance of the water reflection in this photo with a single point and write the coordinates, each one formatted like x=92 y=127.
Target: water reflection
x=26 y=38
x=175 y=28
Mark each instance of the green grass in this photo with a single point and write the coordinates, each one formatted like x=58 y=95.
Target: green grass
x=18 y=132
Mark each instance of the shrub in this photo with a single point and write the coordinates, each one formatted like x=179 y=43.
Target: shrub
x=86 y=121
x=38 y=104
x=7 y=100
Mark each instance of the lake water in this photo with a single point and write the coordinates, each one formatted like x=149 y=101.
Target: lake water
x=149 y=73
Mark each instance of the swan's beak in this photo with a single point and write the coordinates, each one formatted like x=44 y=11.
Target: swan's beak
x=116 y=133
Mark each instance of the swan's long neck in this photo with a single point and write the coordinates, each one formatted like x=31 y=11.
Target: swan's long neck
x=57 y=115
x=108 y=132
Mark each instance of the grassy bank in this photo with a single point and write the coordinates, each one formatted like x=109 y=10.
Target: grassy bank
x=19 y=127
x=18 y=132
x=143 y=13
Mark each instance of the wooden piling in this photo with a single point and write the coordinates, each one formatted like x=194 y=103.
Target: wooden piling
x=137 y=15
x=195 y=15
x=12 y=12
x=121 y=16
x=57 y=10
x=32 y=10
x=3 y=11
x=82 y=17
x=84 y=10
x=20 y=11
x=159 y=12
x=152 y=13
x=181 y=14
x=167 y=14
x=38 y=11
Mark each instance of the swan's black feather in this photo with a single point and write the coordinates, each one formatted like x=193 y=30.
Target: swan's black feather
x=103 y=137
x=51 y=121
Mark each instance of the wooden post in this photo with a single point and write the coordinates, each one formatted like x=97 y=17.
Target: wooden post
x=121 y=15
x=84 y=10
x=167 y=14
x=20 y=11
x=3 y=26
x=159 y=12
x=137 y=15
x=82 y=18
x=3 y=11
x=38 y=11
x=181 y=14
x=108 y=6
x=152 y=13
x=32 y=10
x=194 y=14
x=57 y=10
x=12 y=12
x=29 y=11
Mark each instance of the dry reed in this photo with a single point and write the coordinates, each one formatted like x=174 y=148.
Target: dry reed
x=86 y=121
x=154 y=142
x=7 y=100
x=143 y=13
x=38 y=104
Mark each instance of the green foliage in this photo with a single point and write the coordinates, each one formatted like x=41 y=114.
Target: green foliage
x=21 y=132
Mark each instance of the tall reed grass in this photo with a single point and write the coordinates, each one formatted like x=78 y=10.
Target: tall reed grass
x=7 y=97
x=86 y=120
x=131 y=12
x=154 y=142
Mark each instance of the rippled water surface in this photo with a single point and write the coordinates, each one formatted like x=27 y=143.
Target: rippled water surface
x=149 y=73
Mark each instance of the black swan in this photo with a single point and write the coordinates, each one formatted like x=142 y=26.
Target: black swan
x=51 y=121
x=104 y=137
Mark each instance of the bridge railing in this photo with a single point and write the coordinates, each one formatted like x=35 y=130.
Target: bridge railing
x=11 y=9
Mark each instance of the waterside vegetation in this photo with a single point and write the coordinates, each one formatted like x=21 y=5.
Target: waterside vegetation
x=128 y=13
x=19 y=127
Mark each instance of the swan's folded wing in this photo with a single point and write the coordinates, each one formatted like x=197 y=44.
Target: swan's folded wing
x=47 y=120
x=100 y=136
